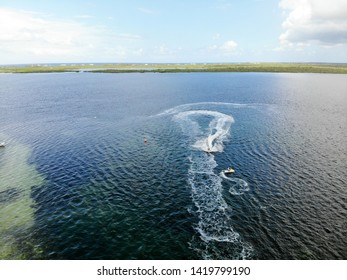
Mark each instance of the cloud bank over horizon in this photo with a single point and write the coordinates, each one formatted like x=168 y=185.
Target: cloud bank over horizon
x=32 y=37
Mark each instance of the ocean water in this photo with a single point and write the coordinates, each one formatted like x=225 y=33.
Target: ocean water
x=78 y=181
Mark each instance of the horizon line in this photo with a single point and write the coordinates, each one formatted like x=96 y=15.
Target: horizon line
x=172 y=63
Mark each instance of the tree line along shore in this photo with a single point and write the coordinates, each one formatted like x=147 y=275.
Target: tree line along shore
x=333 y=68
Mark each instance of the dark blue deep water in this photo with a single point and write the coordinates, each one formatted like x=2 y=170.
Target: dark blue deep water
x=78 y=181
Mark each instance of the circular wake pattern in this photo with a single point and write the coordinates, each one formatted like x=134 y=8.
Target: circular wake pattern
x=207 y=132
x=217 y=130
x=237 y=185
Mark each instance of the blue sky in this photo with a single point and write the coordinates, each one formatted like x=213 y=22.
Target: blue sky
x=61 y=31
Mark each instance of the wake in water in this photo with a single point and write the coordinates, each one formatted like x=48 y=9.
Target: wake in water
x=217 y=132
x=238 y=186
x=207 y=131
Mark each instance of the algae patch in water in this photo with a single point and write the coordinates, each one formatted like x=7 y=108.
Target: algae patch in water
x=17 y=177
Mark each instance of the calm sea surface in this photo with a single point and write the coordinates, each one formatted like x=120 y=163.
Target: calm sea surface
x=78 y=181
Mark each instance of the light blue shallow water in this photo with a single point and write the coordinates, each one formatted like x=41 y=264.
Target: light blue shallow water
x=105 y=194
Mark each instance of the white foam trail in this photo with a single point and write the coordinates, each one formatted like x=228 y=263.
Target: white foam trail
x=238 y=186
x=218 y=238
x=217 y=132
x=202 y=105
x=207 y=131
x=207 y=197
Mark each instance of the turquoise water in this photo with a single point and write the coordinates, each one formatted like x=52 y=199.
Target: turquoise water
x=77 y=180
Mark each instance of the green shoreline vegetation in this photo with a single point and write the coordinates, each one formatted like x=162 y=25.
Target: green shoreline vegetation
x=333 y=68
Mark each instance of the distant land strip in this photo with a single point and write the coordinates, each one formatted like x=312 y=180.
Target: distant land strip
x=333 y=68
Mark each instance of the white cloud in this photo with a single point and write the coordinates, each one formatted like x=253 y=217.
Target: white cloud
x=163 y=50
x=229 y=46
x=27 y=37
x=314 y=21
x=222 y=51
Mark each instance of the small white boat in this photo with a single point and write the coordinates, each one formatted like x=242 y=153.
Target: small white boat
x=229 y=171
x=2 y=144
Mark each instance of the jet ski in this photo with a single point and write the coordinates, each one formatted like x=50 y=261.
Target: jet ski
x=229 y=171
